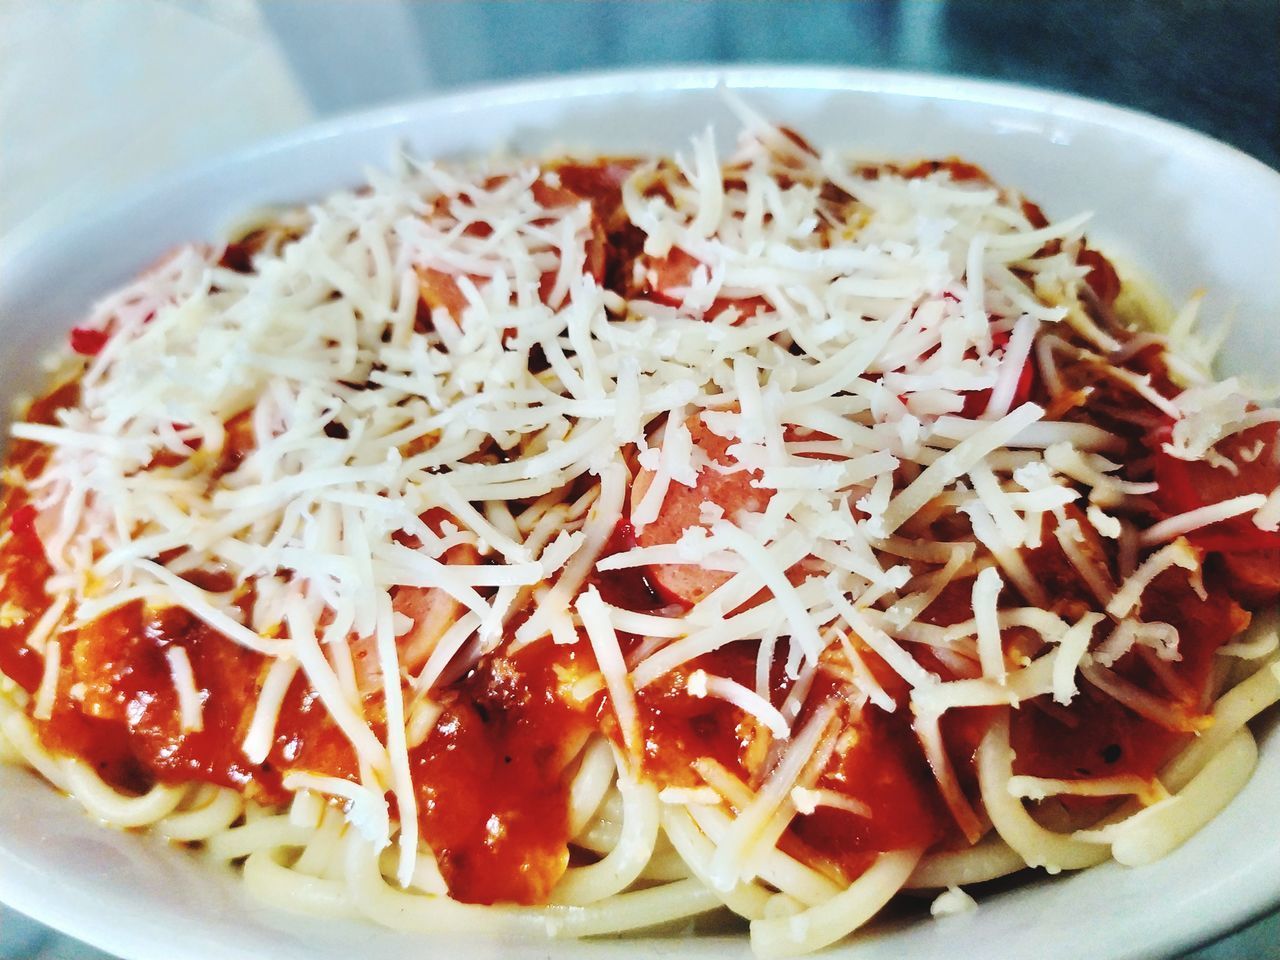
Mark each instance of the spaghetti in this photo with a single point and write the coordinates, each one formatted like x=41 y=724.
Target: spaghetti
x=581 y=546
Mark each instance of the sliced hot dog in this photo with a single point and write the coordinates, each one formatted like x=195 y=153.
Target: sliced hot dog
x=667 y=280
x=733 y=492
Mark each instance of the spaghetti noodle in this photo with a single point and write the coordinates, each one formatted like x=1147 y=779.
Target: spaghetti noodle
x=580 y=546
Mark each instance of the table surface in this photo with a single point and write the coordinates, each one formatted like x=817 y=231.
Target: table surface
x=125 y=77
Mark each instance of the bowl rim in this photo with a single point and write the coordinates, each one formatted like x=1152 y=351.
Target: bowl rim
x=944 y=87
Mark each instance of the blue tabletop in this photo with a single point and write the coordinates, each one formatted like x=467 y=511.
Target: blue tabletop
x=1212 y=66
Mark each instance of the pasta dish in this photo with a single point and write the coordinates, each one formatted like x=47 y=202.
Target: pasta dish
x=583 y=545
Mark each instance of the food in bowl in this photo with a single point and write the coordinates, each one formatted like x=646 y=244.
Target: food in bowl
x=580 y=545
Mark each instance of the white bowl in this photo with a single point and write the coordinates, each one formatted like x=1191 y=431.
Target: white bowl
x=1188 y=211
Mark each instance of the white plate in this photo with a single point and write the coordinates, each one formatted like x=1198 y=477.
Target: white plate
x=1189 y=211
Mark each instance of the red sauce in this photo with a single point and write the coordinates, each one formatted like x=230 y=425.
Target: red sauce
x=23 y=571
x=955 y=168
x=87 y=341
x=308 y=739
x=125 y=696
x=103 y=744
x=883 y=769
x=1102 y=277
x=679 y=728
x=1188 y=486
x=1068 y=595
x=492 y=778
x=1094 y=735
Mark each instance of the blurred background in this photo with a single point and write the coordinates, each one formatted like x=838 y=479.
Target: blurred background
x=99 y=96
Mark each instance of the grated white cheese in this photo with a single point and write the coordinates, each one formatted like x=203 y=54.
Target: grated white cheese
x=266 y=712
x=956 y=462
x=1073 y=649
x=1268 y=516
x=986 y=592
x=604 y=642
x=190 y=700
x=700 y=684
x=1184 y=523
x=47 y=691
x=951 y=902
x=1177 y=554
x=366 y=806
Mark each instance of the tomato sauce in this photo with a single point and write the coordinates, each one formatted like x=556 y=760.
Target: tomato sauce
x=1246 y=555
x=117 y=706
x=678 y=728
x=883 y=769
x=681 y=509
x=493 y=779
x=1189 y=485
x=23 y=570
x=877 y=762
x=307 y=739
x=1095 y=735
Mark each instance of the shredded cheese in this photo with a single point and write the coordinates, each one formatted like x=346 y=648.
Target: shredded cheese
x=604 y=642
x=190 y=700
x=1177 y=554
x=47 y=691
